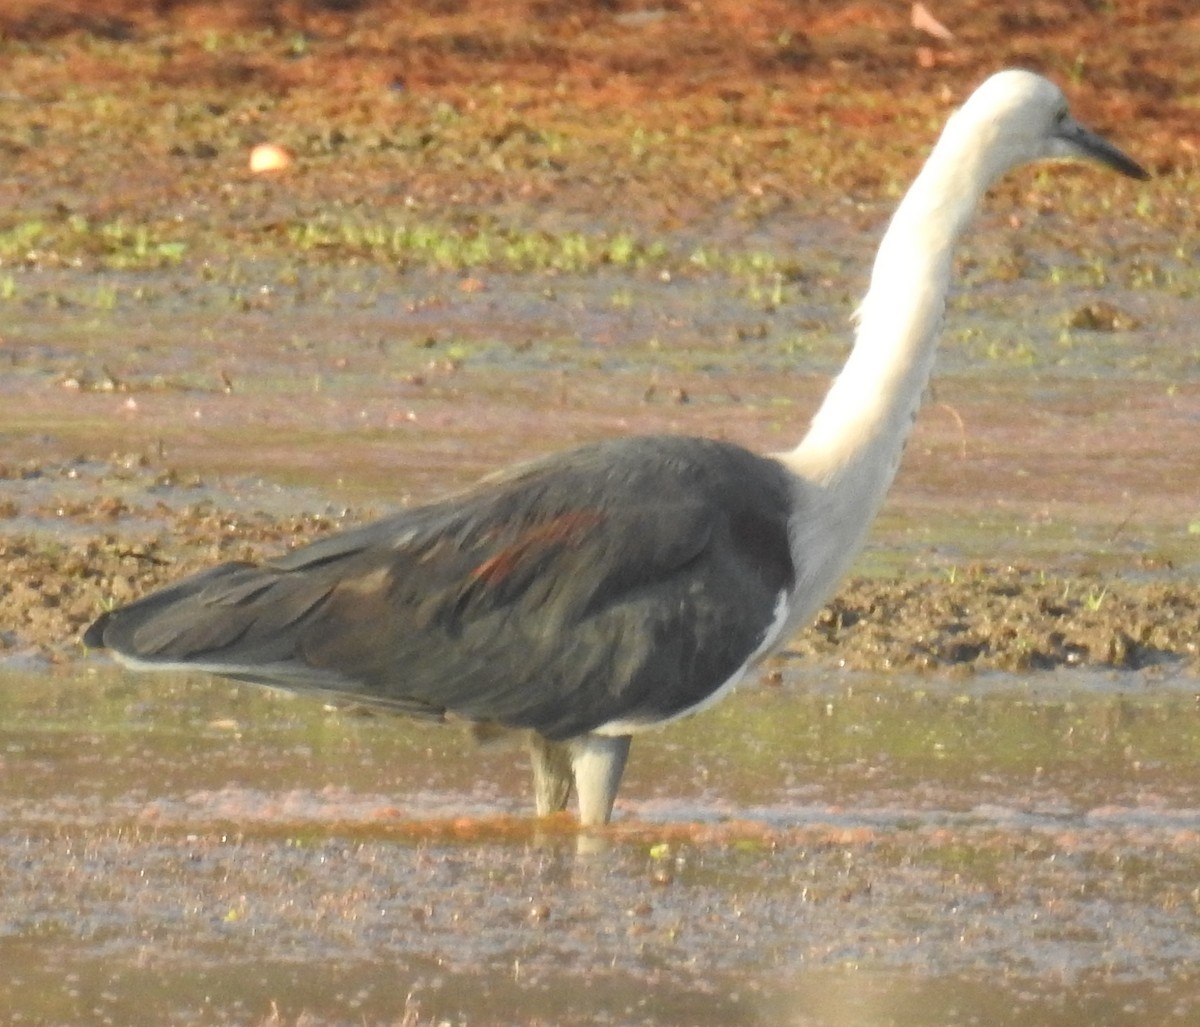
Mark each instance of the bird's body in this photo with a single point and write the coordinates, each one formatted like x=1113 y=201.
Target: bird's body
x=561 y=572
x=593 y=594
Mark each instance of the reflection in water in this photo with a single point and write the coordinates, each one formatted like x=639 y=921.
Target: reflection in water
x=856 y=852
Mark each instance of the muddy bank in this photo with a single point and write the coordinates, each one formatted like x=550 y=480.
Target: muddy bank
x=496 y=209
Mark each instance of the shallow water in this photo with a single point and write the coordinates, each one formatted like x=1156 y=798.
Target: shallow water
x=822 y=851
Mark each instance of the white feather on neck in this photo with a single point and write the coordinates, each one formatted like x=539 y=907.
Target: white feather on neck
x=846 y=462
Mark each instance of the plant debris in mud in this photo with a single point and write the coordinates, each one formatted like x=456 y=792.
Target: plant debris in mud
x=1006 y=618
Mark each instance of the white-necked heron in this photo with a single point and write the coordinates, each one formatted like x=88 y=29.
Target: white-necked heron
x=595 y=593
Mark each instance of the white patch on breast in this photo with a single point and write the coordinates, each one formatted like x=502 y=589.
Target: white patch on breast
x=775 y=630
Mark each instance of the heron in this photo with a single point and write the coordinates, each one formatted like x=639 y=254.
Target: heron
x=593 y=594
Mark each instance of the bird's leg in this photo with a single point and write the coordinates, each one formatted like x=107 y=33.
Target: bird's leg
x=551 y=774
x=597 y=762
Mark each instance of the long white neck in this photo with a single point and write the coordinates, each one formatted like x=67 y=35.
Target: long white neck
x=848 y=458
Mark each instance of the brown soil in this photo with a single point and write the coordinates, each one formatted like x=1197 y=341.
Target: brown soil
x=466 y=99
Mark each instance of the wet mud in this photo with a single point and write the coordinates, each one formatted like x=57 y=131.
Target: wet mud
x=965 y=795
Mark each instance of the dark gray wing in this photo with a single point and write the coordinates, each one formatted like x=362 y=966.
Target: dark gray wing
x=625 y=580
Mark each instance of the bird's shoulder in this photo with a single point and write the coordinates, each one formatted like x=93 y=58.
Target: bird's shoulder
x=656 y=498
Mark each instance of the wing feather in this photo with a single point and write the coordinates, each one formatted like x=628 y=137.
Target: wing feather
x=625 y=579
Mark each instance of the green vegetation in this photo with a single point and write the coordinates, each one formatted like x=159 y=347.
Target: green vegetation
x=475 y=247
x=118 y=244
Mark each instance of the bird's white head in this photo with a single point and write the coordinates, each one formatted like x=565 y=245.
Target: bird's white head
x=1016 y=117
